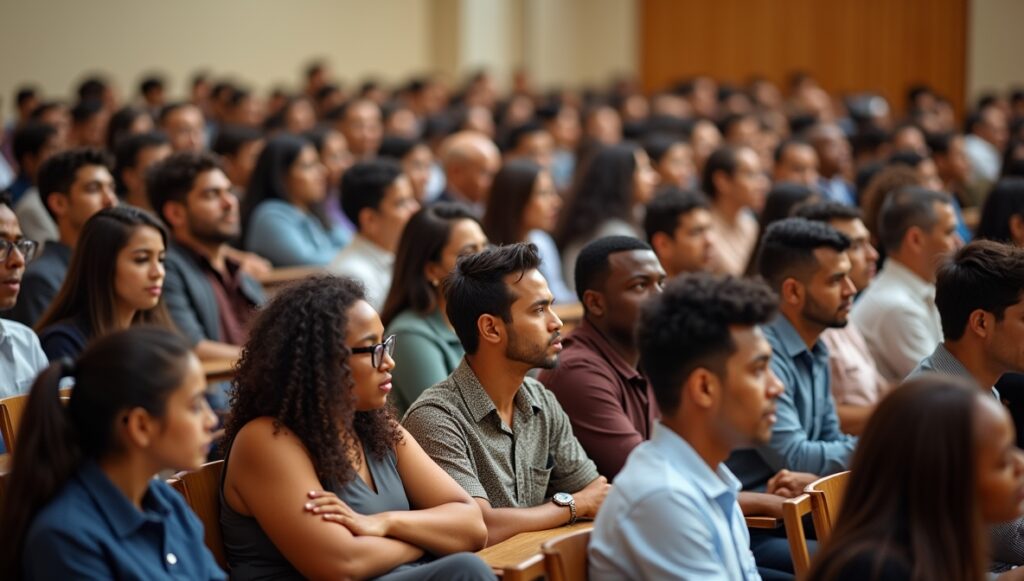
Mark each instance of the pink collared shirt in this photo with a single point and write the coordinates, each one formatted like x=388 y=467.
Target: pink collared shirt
x=855 y=377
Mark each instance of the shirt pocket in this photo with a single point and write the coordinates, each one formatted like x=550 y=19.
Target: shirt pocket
x=537 y=486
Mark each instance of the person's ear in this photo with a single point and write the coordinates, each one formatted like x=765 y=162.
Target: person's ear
x=913 y=239
x=367 y=219
x=1017 y=229
x=662 y=244
x=702 y=388
x=594 y=303
x=491 y=329
x=721 y=180
x=58 y=203
x=434 y=273
x=139 y=428
x=792 y=292
x=980 y=323
x=175 y=213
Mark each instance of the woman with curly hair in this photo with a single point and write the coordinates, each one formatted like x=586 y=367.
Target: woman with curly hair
x=320 y=480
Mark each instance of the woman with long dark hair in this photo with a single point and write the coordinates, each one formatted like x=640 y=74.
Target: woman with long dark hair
x=320 y=480
x=524 y=207
x=115 y=280
x=414 y=311
x=283 y=219
x=607 y=200
x=82 y=500
x=1002 y=217
x=937 y=463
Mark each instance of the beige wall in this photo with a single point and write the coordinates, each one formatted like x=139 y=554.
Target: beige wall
x=994 y=46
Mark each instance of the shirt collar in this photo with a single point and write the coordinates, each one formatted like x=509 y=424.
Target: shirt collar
x=123 y=517
x=906 y=277
x=719 y=485
x=790 y=341
x=479 y=403
x=590 y=336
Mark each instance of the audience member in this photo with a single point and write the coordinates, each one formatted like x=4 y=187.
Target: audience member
x=782 y=198
x=897 y=313
x=126 y=122
x=75 y=184
x=417 y=162
x=857 y=385
x=672 y=158
x=987 y=135
x=414 y=311
x=21 y=357
x=531 y=141
x=184 y=125
x=678 y=227
x=796 y=161
x=379 y=201
x=362 y=127
x=238 y=147
x=470 y=161
x=953 y=166
x=930 y=440
x=737 y=188
x=835 y=162
x=1002 y=218
x=115 y=280
x=320 y=480
x=282 y=213
x=708 y=364
x=524 y=207
x=89 y=119
x=597 y=381
x=209 y=296
x=134 y=156
x=33 y=144
x=83 y=500
x=607 y=200
x=500 y=307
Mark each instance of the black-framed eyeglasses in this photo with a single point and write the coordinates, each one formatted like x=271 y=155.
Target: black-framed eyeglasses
x=378 y=350
x=27 y=248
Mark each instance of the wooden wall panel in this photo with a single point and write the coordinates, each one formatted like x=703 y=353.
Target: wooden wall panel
x=848 y=45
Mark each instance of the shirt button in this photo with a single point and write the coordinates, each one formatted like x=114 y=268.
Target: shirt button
x=172 y=559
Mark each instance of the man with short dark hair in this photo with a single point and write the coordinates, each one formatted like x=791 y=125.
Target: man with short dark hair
x=897 y=313
x=21 y=356
x=796 y=162
x=673 y=513
x=34 y=143
x=597 y=381
x=531 y=141
x=835 y=161
x=987 y=134
x=497 y=432
x=74 y=185
x=89 y=121
x=678 y=227
x=134 y=155
x=208 y=295
x=239 y=147
x=361 y=123
x=379 y=200
x=184 y=125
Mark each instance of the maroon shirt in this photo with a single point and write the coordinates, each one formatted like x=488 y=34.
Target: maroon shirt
x=610 y=404
x=235 y=310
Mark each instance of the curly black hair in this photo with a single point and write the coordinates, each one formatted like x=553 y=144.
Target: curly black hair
x=294 y=368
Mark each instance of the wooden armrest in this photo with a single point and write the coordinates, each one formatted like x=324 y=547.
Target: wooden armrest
x=763 y=522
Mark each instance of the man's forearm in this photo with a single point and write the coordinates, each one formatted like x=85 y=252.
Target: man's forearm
x=505 y=523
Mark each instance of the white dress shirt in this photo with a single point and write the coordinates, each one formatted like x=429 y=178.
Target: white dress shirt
x=369 y=264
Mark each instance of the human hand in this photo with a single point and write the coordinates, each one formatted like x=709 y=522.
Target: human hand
x=789 y=484
x=253 y=264
x=331 y=508
x=590 y=499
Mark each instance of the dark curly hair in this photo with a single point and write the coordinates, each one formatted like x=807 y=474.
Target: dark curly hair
x=294 y=368
x=687 y=327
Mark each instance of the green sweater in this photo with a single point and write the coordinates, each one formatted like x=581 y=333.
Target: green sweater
x=427 y=352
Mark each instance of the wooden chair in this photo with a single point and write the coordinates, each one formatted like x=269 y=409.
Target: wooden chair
x=793 y=512
x=826 y=499
x=565 y=558
x=11 y=410
x=202 y=492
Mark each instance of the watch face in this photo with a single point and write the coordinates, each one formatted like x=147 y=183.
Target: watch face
x=562 y=498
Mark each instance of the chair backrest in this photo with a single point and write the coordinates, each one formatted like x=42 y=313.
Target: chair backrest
x=202 y=491
x=565 y=557
x=793 y=512
x=826 y=499
x=11 y=410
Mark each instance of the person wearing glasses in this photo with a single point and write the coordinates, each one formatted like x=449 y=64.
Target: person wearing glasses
x=320 y=480
x=21 y=357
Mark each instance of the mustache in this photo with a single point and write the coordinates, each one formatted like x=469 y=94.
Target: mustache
x=555 y=337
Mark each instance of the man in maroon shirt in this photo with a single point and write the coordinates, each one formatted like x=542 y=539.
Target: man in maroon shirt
x=597 y=383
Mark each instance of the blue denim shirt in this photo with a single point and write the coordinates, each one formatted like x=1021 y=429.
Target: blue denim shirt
x=806 y=436
x=90 y=530
x=670 y=516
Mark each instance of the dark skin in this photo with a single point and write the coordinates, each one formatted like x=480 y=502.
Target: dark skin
x=633 y=277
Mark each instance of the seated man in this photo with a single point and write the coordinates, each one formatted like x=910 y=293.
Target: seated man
x=806 y=264
x=597 y=383
x=857 y=385
x=897 y=314
x=134 y=156
x=678 y=226
x=673 y=513
x=379 y=200
x=207 y=293
x=497 y=432
x=74 y=185
x=34 y=142
x=980 y=297
x=21 y=357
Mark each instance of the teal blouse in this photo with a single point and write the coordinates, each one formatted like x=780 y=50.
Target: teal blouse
x=427 y=352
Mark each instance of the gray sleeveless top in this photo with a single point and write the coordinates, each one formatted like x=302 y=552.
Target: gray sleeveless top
x=252 y=555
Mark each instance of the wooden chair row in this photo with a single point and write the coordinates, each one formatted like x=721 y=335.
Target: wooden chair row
x=11 y=410
x=822 y=499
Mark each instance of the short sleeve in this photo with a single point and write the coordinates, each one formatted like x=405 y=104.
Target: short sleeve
x=441 y=437
x=573 y=469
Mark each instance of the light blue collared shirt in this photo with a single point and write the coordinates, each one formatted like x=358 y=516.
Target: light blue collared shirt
x=669 y=516
x=806 y=436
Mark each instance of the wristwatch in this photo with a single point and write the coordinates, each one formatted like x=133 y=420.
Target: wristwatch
x=566 y=499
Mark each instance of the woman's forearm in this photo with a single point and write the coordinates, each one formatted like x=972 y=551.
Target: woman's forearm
x=448 y=528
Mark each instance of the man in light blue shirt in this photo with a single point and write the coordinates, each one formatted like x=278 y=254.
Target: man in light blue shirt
x=673 y=512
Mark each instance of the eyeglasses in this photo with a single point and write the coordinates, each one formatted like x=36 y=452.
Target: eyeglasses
x=378 y=350
x=27 y=248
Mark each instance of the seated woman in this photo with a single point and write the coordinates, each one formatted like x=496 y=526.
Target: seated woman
x=283 y=218
x=414 y=311
x=524 y=207
x=82 y=501
x=115 y=280
x=320 y=480
x=931 y=440
x=607 y=200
